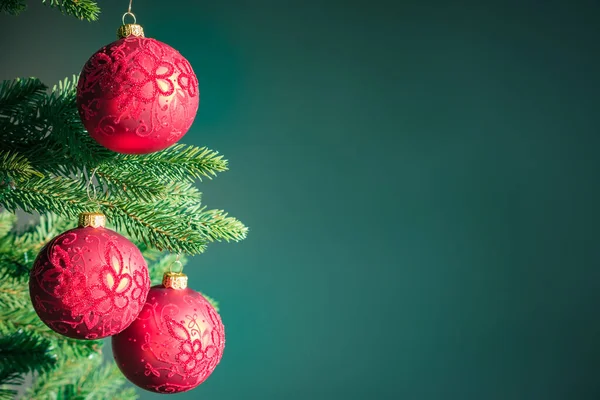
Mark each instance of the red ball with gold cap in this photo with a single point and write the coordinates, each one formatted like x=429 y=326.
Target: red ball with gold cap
x=137 y=95
x=89 y=282
x=175 y=343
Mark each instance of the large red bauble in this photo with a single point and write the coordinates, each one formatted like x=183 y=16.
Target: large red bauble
x=137 y=95
x=175 y=343
x=89 y=283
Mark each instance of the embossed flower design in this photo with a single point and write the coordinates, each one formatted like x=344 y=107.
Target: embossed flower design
x=96 y=69
x=74 y=293
x=187 y=79
x=140 y=286
x=190 y=356
x=70 y=283
x=114 y=282
x=149 y=77
x=151 y=370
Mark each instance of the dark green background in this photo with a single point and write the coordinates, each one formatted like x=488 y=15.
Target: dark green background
x=420 y=179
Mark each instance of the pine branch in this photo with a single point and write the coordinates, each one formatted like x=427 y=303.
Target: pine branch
x=216 y=225
x=101 y=383
x=9 y=377
x=35 y=236
x=57 y=194
x=67 y=372
x=177 y=163
x=9 y=394
x=50 y=135
x=18 y=251
x=159 y=224
x=14 y=293
x=14 y=166
x=25 y=319
x=143 y=188
x=12 y=7
x=24 y=352
x=62 y=117
x=82 y=9
x=162 y=224
x=14 y=263
x=7 y=221
x=19 y=98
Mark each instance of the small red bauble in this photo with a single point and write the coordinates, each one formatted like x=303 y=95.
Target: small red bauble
x=137 y=95
x=175 y=343
x=89 y=282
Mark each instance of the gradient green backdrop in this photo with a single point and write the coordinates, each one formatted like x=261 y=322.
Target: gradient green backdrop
x=420 y=179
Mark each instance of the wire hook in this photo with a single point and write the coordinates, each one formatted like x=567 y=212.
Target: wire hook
x=129 y=13
x=87 y=188
x=176 y=262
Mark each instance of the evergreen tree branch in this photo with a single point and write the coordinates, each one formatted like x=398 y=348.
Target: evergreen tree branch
x=51 y=135
x=144 y=188
x=12 y=378
x=25 y=319
x=159 y=224
x=12 y=7
x=14 y=293
x=67 y=372
x=177 y=163
x=162 y=224
x=7 y=222
x=56 y=194
x=19 y=98
x=100 y=383
x=82 y=9
x=22 y=352
x=18 y=251
x=216 y=225
x=12 y=268
x=37 y=235
x=14 y=166
x=61 y=115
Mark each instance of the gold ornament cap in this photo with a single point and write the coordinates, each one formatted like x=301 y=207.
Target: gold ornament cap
x=175 y=280
x=127 y=30
x=93 y=219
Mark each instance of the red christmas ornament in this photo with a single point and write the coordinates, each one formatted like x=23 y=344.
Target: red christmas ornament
x=175 y=343
x=137 y=95
x=89 y=282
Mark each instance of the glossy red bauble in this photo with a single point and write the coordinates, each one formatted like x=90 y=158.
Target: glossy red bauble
x=137 y=95
x=89 y=283
x=175 y=343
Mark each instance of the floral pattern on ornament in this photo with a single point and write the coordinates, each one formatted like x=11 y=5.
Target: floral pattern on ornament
x=137 y=86
x=192 y=359
x=114 y=280
x=186 y=78
x=59 y=278
x=65 y=293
